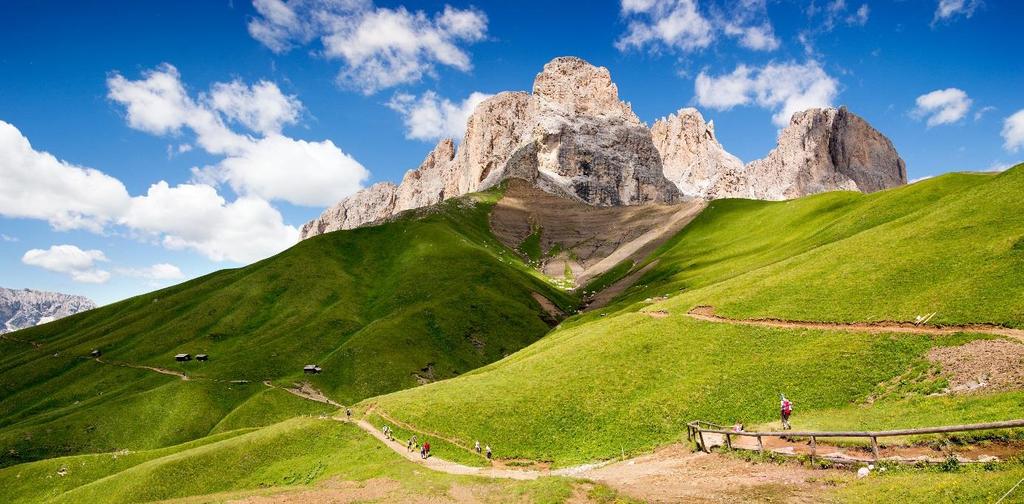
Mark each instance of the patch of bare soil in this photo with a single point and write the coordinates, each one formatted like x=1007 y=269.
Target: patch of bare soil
x=169 y=372
x=333 y=491
x=594 y=239
x=612 y=291
x=554 y=313
x=306 y=390
x=982 y=365
x=657 y=313
x=707 y=314
x=675 y=474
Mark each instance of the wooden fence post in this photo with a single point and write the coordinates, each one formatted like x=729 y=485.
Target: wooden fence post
x=874 y=447
x=814 y=449
x=728 y=441
x=760 y=445
x=703 y=447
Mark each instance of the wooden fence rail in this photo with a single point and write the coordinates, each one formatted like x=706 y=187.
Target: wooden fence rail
x=696 y=429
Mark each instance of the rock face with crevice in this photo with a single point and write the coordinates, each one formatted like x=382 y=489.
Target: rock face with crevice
x=573 y=137
x=826 y=149
x=694 y=160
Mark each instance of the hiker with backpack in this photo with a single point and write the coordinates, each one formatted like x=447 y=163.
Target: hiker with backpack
x=785 y=410
x=488 y=452
x=426 y=449
x=476 y=447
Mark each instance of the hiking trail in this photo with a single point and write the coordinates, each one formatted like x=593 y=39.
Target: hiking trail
x=707 y=314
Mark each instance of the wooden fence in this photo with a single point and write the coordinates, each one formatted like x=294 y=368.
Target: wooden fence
x=697 y=429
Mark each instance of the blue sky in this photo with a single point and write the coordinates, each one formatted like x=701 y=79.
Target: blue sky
x=256 y=116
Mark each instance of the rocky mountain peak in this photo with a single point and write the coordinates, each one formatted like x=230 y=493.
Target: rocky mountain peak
x=573 y=137
x=826 y=149
x=24 y=308
x=692 y=157
x=573 y=87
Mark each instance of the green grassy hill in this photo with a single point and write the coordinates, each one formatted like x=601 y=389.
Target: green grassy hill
x=379 y=309
x=618 y=380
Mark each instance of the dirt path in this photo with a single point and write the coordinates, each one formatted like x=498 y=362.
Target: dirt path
x=165 y=371
x=707 y=314
x=676 y=474
x=305 y=391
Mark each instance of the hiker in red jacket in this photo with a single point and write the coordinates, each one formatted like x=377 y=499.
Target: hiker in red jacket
x=786 y=409
x=426 y=449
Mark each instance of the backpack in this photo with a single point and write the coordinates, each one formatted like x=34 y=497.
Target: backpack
x=787 y=407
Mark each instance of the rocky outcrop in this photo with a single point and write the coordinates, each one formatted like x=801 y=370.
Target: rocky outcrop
x=822 y=149
x=573 y=137
x=694 y=160
x=369 y=205
x=26 y=308
x=826 y=149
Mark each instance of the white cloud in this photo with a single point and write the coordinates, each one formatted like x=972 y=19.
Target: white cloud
x=758 y=38
x=786 y=88
x=982 y=111
x=1013 y=131
x=675 y=24
x=71 y=260
x=157 y=272
x=273 y=167
x=8 y=238
x=948 y=9
x=262 y=107
x=942 y=106
x=433 y=118
x=379 y=47
x=37 y=185
x=194 y=216
x=281 y=168
x=860 y=17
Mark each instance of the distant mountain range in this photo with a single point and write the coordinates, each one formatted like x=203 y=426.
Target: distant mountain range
x=26 y=308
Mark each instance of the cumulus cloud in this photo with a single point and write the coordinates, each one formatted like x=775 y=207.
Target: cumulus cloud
x=785 y=88
x=675 y=24
x=79 y=264
x=189 y=216
x=682 y=25
x=431 y=118
x=272 y=167
x=378 y=47
x=1013 y=131
x=262 y=107
x=195 y=217
x=157 y=272
x=37 y=185
x=947 y=10
x=942 y=106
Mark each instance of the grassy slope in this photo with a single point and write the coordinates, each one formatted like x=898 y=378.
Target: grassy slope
x=600 y=385
x=435 y=296
x=292 y=454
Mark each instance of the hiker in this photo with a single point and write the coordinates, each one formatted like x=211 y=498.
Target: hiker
x=477 y=447
x=488 y=452
x=408 y=446
x=426 y=449
x=785 y=409
x=737 y=427
x=423 y=451
x=348 y=413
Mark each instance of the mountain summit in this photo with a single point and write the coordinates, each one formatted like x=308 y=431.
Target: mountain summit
x=575 y=138
x=26 y=308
